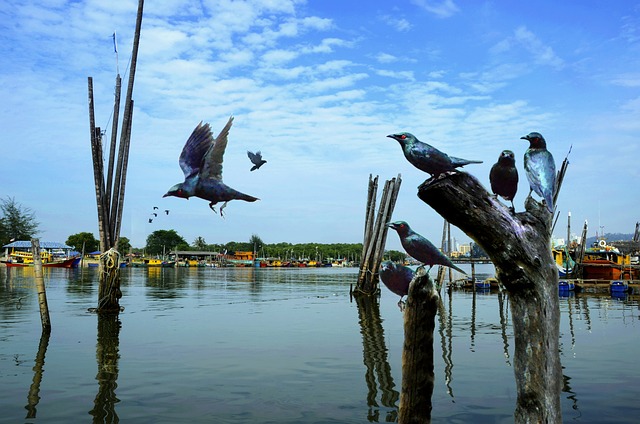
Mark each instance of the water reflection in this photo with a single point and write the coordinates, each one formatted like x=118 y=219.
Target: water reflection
x=107 y=355
x=375 y=359
x=38 y=370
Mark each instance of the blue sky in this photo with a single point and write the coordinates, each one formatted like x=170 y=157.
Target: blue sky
x=317 y=86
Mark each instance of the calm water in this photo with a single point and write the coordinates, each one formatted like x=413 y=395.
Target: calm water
x=251 y=345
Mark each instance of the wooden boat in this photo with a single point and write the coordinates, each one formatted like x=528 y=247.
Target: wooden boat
x=605 y=262
x=65 y=263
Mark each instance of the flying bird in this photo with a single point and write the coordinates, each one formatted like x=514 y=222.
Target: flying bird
x=166 y=211
x=256 y=159
x=150 y=220
x=396 y=277
x=201 y=162
x=426 y=157
x=420 y=248
x=155 y=214
x=540 y=168
x=155 y=207
x=504 y=177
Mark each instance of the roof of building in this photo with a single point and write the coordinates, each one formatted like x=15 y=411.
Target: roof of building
x=22 y=244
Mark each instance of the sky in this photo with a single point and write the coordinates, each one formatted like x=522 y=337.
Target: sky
x=317 y=86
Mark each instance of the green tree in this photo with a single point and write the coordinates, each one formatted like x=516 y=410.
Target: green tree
x=87 y=239
x=16 y=221
x=255 y=242
x=124 y=245
x=200 y=244
x=165 y=240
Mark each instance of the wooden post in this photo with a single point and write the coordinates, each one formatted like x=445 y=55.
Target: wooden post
x=33 y=398
x=42 y=293
x=417 y=354
x=518 y=245
x=376 y=233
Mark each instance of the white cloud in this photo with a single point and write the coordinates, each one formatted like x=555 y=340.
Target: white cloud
x=440 y=8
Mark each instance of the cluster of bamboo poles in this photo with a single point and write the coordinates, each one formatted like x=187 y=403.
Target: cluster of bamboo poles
x=375 y=232
x=110 y=189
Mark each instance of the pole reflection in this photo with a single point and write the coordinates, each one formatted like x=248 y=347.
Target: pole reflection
x=38 y=370
x=107 y=355
x=375 y=359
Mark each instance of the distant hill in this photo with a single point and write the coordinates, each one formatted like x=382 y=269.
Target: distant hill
x=609 y=237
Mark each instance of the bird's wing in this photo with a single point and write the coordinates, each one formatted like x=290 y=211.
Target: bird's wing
x=212 y=160
x=194 y=149
x=255 y=157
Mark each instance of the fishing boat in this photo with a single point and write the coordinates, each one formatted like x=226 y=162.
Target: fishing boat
x=64 y=263
x=605 y=262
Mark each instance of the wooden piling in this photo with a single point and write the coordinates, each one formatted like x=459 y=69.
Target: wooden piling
x=42 y=293
x=417 y=354
x=375 y=234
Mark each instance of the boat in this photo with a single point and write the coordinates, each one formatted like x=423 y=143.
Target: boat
x=64 y=263
x=564 y=262
x=606 y=262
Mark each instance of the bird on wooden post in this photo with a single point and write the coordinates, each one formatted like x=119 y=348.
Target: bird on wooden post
x=201 y=162
x=540 y=168
x=420 y=248
x=426 y=157
x=504 y=177
x=397 y=278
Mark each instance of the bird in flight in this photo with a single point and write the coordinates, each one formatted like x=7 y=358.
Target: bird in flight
x=504 y=177
x=201 y=163
x=540 y=168
x=256 y=160
x=426 y=157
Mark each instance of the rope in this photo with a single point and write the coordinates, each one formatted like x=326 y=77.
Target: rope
x=110 y=265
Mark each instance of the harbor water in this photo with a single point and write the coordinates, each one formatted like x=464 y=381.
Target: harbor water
x=285 y=345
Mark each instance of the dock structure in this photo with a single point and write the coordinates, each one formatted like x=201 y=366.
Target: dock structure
x=375 y=233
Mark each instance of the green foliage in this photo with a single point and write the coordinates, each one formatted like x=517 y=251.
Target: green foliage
x=16 y=221
x=256 y=242
x=124 y=245
x=87 y=239
x=166 y=240
x=200 y=244
x=395 y=256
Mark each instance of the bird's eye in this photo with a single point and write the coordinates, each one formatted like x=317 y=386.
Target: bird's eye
x=402 y=137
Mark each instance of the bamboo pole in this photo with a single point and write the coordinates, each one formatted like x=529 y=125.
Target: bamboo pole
x=97 y=170
x=42 y=292
x=114 y=139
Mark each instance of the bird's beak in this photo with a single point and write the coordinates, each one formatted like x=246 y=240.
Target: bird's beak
x=392 y=136
x=524 y=137
x=166 y=195
x=389 y=224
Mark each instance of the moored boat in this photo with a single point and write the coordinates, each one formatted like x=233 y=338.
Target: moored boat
x=606 y=262
x=65 y=263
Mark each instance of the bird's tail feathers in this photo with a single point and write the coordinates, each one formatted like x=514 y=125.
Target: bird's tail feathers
x=462 y=162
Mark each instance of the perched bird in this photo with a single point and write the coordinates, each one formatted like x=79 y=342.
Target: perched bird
x=540 y=168
x=396 y=277
x=166 y=211
x=420 y=248
x=256 y=159
x=504 y=176
x=201 y=162
x=426 y=157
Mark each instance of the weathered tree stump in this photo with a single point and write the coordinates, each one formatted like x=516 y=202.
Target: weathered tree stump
x=518 y=245
x=417 y=354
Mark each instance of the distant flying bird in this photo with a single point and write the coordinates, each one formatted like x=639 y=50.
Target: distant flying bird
x=256 y=159
x=426 y=157
x=155 y=207
x=150 y=220
x=201 y=162
x=166 y=211
x=155 y=214
x=420 y=248
x=504 y=176
x=396 y=277
x=540 y=168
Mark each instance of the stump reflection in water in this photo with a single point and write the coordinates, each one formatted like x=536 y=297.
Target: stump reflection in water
x=375 y=359
x=107 y=355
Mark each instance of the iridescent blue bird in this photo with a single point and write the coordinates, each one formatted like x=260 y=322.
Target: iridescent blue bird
x=504 y=177
x=396 y=277
x=420 y=248
x=201 y=162
x=540 y=168
x=426 y=157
